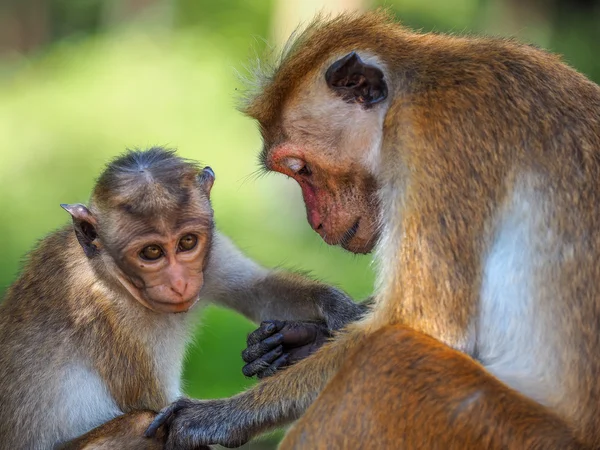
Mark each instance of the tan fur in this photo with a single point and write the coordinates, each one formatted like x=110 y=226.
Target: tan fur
x=396 y=390
x=79 y=327
x=84 y=349
x=487 y=241
x=124 y=432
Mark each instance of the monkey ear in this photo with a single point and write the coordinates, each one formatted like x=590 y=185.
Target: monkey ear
x=84 y=224
x=356 y=81
x=206 y=179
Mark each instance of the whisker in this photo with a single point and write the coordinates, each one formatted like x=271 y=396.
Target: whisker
x=253 y=176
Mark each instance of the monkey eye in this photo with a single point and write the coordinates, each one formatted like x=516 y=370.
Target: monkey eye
x=187 y=243
x=151 y=253
x=298 y=166
x=304 y=171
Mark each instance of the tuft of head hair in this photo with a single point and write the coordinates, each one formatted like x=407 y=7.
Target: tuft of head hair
x=143 y=182
x=309 y=47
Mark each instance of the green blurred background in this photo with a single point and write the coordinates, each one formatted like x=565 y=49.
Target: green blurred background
x=81 y=80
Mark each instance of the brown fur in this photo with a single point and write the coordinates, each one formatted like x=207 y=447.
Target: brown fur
x=82 y=344
x=467 y=119
x=67 y=319
x=124 y=432
x=91 y=320
x=486 y=158
x=398 y=379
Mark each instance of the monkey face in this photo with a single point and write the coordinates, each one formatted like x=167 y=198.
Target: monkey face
x=341 y=203
x=328 y=137
x=151 y=228
x=163 y=269
x=161 y=253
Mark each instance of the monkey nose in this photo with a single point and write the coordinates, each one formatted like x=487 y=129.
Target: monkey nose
x=314 y=219
x=179 y=286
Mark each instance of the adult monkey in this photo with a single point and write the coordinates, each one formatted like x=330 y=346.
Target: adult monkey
x=485 y=157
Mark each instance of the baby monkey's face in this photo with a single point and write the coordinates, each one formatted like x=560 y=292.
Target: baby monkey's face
x=149 y=227
x=163 y=255
x=163 y=269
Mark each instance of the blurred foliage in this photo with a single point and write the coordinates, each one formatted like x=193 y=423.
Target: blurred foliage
x=103 y=79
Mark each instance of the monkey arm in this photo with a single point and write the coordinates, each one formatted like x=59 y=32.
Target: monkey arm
x=428 y=395
x=274 y=402
x=297 y=314
x=422 y=394
x=125 y=431
x=235 y=281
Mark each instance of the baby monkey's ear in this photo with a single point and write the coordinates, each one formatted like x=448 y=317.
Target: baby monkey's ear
x=84 y=224
x=206 y=179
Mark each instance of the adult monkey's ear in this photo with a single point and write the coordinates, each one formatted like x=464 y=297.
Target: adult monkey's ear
x=356 y=82
x=84 y=224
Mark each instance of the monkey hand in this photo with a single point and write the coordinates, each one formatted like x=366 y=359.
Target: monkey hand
x=277 y=344
x=195 y=424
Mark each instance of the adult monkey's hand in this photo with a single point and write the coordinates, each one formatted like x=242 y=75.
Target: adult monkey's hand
x=277 y=344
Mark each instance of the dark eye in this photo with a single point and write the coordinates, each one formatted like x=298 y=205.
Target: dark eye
x=151 y=253
x=304 y=171
x=187 y=243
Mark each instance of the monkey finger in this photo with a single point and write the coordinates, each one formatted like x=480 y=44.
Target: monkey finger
x=156 y=424
x=280 y=362
x=159 y=421
x=296 y=334
x=256 y=351
x=164 y=416
x=266 y=329
x=262 y=362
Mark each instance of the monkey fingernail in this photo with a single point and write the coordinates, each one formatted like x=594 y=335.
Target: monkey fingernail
x=274 y=340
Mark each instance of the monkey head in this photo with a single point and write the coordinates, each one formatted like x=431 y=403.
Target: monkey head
x=149 y=228
x=324 y=130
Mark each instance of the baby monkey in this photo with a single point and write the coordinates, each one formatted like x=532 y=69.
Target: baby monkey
x=96 y=326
